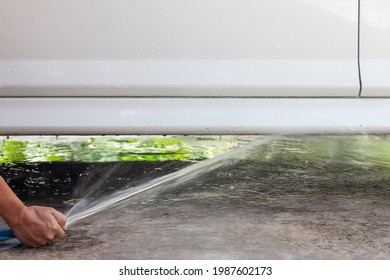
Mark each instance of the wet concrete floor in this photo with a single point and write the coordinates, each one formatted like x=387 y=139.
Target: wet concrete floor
x=296 y=203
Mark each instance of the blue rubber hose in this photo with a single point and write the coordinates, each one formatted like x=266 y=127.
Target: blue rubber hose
x=7 y=234
x=4 y=238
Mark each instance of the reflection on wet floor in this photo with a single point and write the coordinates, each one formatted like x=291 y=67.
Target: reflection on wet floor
x=316 y=197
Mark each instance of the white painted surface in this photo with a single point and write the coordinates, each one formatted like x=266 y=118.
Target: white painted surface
x=375 y=47
x=178 y=78
x=178 y=48
x=193 y=115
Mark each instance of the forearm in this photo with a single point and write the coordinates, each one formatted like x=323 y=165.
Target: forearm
x=11 y=208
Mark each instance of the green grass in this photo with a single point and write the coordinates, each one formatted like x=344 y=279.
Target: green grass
x=110 y=149
x=363 y=150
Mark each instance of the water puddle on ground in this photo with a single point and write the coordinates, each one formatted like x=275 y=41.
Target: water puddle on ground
x=291 y=197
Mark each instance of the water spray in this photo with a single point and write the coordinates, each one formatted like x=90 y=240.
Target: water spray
x=80 y=211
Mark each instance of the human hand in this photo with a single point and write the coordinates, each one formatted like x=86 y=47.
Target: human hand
x=39 y=225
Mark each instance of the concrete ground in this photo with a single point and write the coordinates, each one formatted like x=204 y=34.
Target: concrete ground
x=333 y=207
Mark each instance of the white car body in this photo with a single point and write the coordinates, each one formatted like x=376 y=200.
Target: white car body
x=194 y=67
